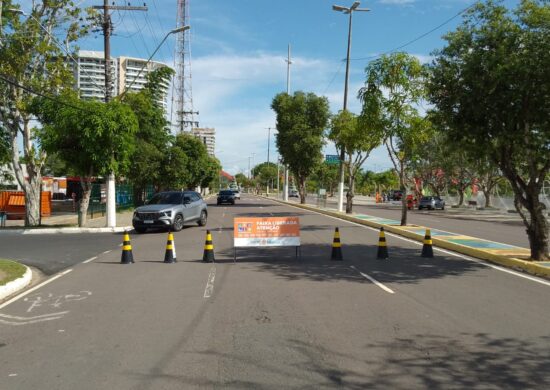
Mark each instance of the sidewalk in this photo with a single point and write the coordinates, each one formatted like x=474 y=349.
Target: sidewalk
x=68 y=223
x=502 y=254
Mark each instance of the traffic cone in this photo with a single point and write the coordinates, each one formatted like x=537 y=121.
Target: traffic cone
x=427 y=250
x=208 y=255
x=336 y=246
x=170 y=254
x=382 y=248
x=127 y=257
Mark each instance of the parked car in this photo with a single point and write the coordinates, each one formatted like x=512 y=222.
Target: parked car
x=293 y=194
x=170 y=209
x=226 y=196
x=237 y=193
x=431 y=203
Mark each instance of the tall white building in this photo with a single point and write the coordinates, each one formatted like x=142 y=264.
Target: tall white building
x=90 y=75
x=207 y=136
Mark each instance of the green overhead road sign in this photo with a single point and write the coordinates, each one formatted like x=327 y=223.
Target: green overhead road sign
x=332 y=159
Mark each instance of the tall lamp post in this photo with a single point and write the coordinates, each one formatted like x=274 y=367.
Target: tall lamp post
x=349 y=11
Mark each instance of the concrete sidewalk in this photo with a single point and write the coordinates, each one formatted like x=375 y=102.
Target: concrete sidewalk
x=68 y=223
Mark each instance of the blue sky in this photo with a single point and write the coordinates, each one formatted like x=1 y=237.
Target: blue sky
x=239 y=49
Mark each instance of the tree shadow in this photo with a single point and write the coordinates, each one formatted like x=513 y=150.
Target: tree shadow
x=403 y=265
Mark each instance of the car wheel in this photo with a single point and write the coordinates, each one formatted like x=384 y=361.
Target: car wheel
x=140 y=229
x=219 y=203
x=178 y=223
x=202 y=220
x=442 y=207
x=233 y=202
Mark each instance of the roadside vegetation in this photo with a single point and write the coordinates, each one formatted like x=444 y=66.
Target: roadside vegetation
x=10 y=270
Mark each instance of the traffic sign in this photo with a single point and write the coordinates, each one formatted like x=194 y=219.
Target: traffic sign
x=332 y=159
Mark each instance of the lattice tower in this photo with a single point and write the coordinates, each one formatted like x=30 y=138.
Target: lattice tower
x=182 y=91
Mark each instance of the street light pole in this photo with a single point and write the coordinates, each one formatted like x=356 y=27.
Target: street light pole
x=285 y=183
x=345 y=10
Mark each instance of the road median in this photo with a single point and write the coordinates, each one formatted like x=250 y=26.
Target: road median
x=502 y=254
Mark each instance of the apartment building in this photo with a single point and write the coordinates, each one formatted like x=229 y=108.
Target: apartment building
x=207 y=136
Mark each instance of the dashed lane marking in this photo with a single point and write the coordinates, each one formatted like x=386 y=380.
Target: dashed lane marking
x=89 y=260
x=210 y=283
x=383 y=287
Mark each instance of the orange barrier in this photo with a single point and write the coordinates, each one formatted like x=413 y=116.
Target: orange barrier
x=13 y=203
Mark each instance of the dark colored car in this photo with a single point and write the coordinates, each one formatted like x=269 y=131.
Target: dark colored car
x=396 y=195
x=226 y=196
x=431 y=203
x=170 y=209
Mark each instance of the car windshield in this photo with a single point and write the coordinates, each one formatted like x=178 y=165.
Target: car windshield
x=427 y=198
x=167 y=198
x=235 y=191
x=228 y=192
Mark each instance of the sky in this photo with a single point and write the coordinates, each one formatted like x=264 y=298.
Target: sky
x=239 y=48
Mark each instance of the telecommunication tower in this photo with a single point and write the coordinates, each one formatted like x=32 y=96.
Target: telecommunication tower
x=182 y=92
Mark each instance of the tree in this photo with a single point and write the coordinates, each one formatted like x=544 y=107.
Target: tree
x=327 y=176
x=94 y=138
x=30 y=62
x=394 y=85
x=301 y=122
x=153 y=136
x=187 y=164
x=492 y=84
x=358 y=137
x=210 y=171
x=265 y=173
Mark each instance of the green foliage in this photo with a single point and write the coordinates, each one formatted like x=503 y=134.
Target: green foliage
x=265 y=173
x=301 y=122
x=491 y=85
x=394 y=86
x=153 y=136
x=93 y=138
x=210 y=171
x=187 y=164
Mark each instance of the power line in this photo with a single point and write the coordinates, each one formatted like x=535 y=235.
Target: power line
x=33 y=92
x=417 y=38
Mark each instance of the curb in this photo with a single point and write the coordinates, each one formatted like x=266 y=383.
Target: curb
x=16 y=285
x=505 y=261
x=72 y=230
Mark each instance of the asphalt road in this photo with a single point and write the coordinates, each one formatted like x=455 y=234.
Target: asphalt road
x=271 y=321
x=507 y=229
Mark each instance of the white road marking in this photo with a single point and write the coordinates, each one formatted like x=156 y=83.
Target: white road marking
x=468 y=258
x=89 y=260
x=59 y=314
x=16 y=298
x=28 y=322
x=12 y=375
x=389 y=290
x=104 y=253
x=210 y=283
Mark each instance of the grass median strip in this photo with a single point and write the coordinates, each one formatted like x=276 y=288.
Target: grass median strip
x=10 y=270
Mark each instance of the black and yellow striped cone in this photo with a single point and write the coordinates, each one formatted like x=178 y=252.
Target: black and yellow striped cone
x=382 y=247
x=127 y=257
x=170 y=254
x=336 y=246
x=208 y=255
x=427 y=250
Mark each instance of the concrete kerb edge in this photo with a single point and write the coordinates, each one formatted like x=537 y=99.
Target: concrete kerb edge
x=509 y=262
x=71 y=230
x=16 y=285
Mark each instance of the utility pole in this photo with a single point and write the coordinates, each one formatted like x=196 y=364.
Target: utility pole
x=107 y=28
x=288 y=63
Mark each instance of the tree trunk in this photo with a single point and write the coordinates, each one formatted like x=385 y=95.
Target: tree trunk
x=302 y=188
x=487 y=195
x=403 y=189
x=460 y=197
x=32 y=201
x=85 y=201
x=350 y=194
x=537 y=225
